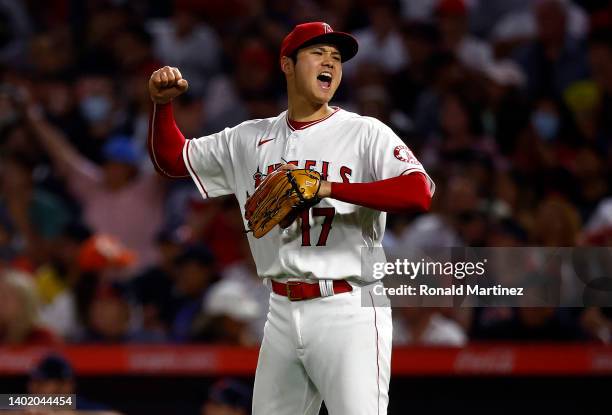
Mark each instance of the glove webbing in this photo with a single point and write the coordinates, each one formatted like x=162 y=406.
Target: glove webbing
x=295 y=187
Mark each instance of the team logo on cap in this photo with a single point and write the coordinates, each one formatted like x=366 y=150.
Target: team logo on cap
x=327 y=28
x=403 y=153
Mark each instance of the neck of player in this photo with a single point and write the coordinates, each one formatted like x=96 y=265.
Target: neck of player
x=303 y=111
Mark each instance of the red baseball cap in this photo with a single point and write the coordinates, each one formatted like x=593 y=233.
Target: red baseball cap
x=451 y=8
x=101 y=252
x=319 y=32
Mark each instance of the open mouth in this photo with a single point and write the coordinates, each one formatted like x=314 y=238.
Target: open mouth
x=325 y=80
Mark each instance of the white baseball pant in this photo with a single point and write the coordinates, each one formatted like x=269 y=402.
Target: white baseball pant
x=331 y=349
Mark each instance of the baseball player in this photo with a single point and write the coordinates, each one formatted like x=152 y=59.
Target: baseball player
x=323 y=340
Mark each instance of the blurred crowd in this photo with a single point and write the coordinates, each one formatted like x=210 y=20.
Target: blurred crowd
x=508 y=104
x=53 y=374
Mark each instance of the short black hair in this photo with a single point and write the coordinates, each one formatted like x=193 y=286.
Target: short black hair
x=231 y=392
x=422 y=31
x=196 y=253
x=314 y=41
x=602 y=37
x=76 y=230
x=52 y=367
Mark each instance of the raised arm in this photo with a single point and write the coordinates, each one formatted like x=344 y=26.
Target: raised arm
x=165 y=141
x=74 y=167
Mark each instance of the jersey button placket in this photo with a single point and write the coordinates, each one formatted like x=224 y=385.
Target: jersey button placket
x=292 y=145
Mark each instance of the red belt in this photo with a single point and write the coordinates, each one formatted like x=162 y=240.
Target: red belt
x=297 y=290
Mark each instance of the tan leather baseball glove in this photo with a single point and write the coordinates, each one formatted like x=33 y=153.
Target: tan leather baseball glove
x=282 y=193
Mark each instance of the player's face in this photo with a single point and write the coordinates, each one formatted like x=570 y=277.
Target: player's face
x=318 y=71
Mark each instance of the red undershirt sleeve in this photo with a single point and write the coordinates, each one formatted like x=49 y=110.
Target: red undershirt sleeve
x=406 y=193
x=165 y=143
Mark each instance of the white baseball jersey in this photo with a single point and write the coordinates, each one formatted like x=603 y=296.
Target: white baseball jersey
x=343 y=147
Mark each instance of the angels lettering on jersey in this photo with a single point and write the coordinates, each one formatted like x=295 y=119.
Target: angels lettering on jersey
x=323 y=167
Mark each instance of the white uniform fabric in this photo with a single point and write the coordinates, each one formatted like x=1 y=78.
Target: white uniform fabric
x=343 y=147
x=336 y=347
x=329 y=348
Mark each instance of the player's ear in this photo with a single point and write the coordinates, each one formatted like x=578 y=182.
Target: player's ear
x=286 y=65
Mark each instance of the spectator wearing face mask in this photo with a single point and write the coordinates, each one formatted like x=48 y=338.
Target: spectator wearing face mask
x=109 y=194
x=545 y=121
x=546 y=144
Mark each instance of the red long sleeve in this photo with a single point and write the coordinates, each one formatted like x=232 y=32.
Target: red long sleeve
x=397 y=195
x=165 y=143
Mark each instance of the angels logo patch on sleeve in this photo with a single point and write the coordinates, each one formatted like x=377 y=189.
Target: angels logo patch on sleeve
x=403 y=153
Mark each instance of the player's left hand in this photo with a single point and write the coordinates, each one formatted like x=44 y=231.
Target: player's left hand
x=282 y=195
x=324 y=191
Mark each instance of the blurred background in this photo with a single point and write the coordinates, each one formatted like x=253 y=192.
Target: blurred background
x=142 y=297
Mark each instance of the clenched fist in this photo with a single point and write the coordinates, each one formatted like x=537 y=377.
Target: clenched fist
x=166 y=84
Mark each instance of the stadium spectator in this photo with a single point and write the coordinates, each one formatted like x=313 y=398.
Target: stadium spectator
x=152 y=290
x=507 y=110
x=600 y=59
x=556 y=223
x=420 y=40
x=8 y=243
x=186 y=41
x=598 y=229
x=195 y=274
x=53 y=374
x=244 y=274
x=452 y=19
x=56 y=279
x=221 y=322
x=249 y=90
x=519 y=24
x=556 y=58
x=102 y=111
x=545 y=148
x=19 y=312
x=437 y=228
x=98 y=260
x=218 y=225
x=113 y=195
x=38 y=215
x=17 y=28
x=110 y=319
x=445 y=73
x=381 y=41
x=426 y=326
x=530 y=324
x=461 y=135
x=227 y=397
